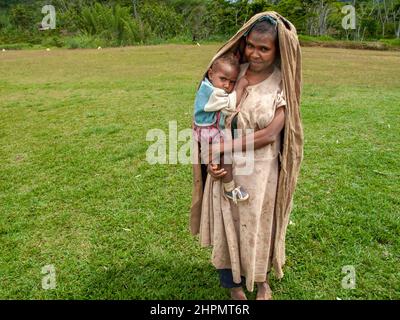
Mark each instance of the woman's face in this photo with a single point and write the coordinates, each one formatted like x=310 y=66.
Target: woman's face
x=260 y=51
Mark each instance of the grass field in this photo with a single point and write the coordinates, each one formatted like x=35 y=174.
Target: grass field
x=77 y=193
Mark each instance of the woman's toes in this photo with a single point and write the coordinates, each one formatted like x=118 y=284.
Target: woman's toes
x=264 y=292
x=238 y=294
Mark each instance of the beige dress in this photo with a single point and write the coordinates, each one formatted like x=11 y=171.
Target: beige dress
x=241 y=235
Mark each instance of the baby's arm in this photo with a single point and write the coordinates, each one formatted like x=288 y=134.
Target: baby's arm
x=219 y=100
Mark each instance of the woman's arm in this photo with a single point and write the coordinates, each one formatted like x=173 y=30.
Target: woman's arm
x=258 y=139
x=264 y=136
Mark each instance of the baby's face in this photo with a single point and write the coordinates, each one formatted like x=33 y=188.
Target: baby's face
x=223 y=76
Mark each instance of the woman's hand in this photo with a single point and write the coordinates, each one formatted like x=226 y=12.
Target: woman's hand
x=216 y=173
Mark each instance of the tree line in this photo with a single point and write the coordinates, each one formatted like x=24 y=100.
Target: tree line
x=88 y=23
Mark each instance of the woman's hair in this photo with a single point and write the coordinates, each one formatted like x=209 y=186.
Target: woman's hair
x=265 y=27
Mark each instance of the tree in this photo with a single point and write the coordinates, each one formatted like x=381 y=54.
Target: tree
x=21 y=17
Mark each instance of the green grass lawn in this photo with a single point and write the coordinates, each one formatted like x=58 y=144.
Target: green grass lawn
x=77 y=192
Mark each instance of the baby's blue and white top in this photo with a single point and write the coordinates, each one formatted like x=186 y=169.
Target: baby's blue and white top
x=209 y=100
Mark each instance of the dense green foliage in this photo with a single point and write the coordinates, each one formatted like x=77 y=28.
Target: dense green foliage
x=89 y=23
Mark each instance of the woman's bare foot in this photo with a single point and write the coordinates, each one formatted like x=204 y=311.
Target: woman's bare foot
x=238 y=294
x=264 y=292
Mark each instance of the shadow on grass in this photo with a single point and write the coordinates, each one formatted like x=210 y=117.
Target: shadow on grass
x=163 y=278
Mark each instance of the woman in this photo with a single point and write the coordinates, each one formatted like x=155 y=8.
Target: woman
x=249 y=239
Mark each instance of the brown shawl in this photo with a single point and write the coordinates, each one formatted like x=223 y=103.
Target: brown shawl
x=292 y=148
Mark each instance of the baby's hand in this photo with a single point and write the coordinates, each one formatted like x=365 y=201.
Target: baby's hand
x=242 y=83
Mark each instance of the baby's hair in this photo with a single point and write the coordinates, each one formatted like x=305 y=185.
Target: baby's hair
x=228 y=58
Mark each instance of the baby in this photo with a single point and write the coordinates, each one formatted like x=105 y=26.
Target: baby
x=215 y=99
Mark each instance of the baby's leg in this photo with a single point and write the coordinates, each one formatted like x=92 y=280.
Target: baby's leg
x=228 y=168
x=236 y=193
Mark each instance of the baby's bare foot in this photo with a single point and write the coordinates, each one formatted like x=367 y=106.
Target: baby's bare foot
x=238 y=294
x=264 y=292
